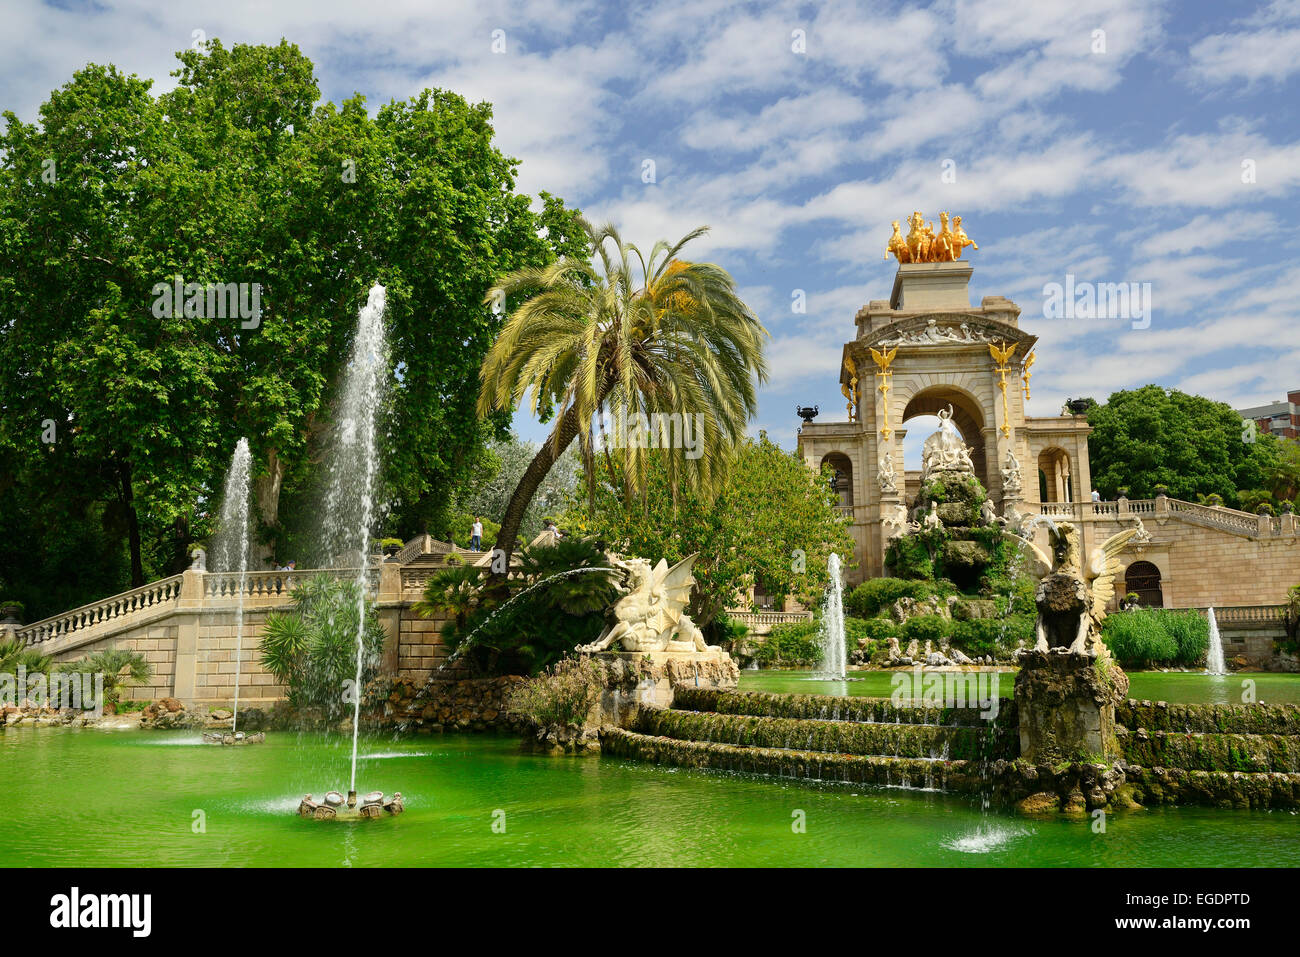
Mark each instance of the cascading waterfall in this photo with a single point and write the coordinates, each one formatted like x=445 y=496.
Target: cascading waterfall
x=832 y=627
x=354 y=468
x=231 y=552
x=1214 y=656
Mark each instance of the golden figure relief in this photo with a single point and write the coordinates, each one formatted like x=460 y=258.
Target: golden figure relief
x=1027 y=375
x=923 y=245
x=850 y=388
x=882 y=359
x=1000 y=356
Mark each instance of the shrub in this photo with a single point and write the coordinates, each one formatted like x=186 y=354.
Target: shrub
x=312 y=649
x=876 y=595
x=1140 y=637
x=791 y=643
x=564 y=693
x=555 y=612
x=926 y=628
x=14 y=653
x=1190 y=631
x=909 y=557
x=111 y=663
x=725 y=631
x=874 y=629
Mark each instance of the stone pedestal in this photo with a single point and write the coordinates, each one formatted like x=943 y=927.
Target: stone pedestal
x=938 y=286
x=1066 y=706
x=645 y=679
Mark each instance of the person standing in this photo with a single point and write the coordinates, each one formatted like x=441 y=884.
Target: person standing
x=476 y=534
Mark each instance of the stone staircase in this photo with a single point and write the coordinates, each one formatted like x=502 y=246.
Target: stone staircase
x=817 y=737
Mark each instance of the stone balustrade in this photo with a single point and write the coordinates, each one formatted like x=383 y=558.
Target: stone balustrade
x=156 y=597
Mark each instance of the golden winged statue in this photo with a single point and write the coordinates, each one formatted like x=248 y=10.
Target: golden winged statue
x=652 y=608
x=1002 y=355
x=883 y=359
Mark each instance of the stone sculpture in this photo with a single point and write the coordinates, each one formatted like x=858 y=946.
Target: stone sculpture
x=651 y=615
x=1011 y=481
x=1072 y=596
x=945 y=450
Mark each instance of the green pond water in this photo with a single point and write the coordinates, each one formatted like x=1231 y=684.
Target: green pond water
x=91 y=797
x=1180 y=687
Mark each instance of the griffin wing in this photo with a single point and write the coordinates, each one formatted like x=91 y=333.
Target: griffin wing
x=1041 y=562
x=1103 y=567
x=670 y=592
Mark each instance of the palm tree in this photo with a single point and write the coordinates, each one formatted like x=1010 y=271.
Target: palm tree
x=640 y=335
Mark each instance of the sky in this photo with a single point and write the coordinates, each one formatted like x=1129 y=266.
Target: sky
x=1131 y=141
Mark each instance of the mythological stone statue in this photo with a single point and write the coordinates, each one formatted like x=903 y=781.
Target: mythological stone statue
x=1073 y=599
x=886 y=477
x=1011 y=481
x=945 y=448
x=651 y=612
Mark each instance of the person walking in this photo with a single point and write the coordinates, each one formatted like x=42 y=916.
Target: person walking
x=476 y=534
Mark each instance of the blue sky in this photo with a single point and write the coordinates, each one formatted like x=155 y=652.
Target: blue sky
x=1119 y=161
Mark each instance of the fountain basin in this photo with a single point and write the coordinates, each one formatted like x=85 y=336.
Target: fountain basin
x=335 y=808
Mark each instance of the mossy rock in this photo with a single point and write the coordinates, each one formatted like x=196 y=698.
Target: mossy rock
x=974 y=609
x=955 y=513
x=1041 y=802
x=965 y=555
x=954 y=488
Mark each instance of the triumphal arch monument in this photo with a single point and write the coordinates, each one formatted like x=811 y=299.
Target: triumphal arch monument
x=928 y=350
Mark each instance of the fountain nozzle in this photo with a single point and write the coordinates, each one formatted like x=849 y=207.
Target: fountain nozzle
x=352 y=799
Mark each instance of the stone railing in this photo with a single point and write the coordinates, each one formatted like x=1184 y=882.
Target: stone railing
x=752 y=618
x=1242 y=614
x=270 y=586
x=158 y=596
x=1224 y=519
x=1228 y=519
x=419 y=545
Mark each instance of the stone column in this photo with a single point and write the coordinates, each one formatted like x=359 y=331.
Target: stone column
x=388 y=606
x=189 y=611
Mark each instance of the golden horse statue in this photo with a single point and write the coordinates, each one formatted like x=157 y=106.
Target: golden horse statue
x=923 y=245
x=960 y=239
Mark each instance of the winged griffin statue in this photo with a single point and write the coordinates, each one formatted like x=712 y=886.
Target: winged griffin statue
x=1072 y=596
x=651 y=615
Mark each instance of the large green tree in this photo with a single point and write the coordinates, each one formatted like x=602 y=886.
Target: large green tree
x=1192 y=445
x=773 y=525
x=237 y=175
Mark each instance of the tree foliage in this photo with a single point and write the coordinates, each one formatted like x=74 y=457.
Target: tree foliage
x=773 y=525
x=117 y=417
x=1192 y=445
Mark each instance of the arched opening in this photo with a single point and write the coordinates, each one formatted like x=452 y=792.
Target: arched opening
x=921 y=416
x=842 y=480
x=1055 y=484
x=1143 y=579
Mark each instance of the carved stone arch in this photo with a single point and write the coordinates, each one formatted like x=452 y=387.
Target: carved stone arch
x=845 y=477
x=969 y=414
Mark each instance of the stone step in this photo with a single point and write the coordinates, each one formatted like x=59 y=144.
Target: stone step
x=1226 y=789
x=962 y=776
x=1211 y=751
x=844 y=737
x=835 y=708
x=1209 y=718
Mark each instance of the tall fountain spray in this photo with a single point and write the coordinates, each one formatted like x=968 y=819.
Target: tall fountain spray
x=354 y=467
x=832 y=627
x=1214 y=656
x=231 y=551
